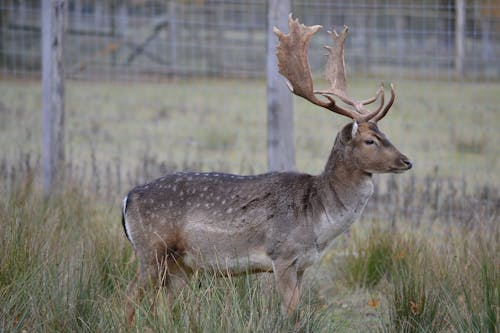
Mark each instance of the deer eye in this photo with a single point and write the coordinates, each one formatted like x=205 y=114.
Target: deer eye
x=369 y=142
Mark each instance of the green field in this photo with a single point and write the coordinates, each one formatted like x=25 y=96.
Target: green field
x=423 y=259
x=222 y=125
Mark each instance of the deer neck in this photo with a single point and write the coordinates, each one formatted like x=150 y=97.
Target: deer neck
x=342 y=176
x=344 y=191
x=348 y=182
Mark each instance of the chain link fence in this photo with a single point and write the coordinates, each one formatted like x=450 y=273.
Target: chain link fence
x=139 y=39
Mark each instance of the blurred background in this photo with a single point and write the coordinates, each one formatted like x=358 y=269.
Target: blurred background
x=140 y=39
x=158 y=86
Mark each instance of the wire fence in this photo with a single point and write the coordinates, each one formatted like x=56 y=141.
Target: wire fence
x=121 y=134
x=140 y=39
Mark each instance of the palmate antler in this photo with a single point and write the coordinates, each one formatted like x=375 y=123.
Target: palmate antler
x=294 y=65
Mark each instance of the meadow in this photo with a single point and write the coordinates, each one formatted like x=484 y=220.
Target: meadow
x=423 y=258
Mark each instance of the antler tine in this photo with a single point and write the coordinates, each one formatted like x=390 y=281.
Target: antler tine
x=293 y=64
x=382 y=114
x=375 y=97
x=381 y=92
x=358 y=105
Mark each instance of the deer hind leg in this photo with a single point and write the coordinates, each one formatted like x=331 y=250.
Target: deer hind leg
x=149 y=277
x=288 y=280
x=177 y=277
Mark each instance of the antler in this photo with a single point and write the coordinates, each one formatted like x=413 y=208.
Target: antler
x=294 y=65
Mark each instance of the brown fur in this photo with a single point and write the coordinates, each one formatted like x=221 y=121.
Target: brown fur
x=279 y=222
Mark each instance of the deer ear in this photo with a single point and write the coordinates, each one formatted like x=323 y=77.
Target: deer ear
x=354 y=129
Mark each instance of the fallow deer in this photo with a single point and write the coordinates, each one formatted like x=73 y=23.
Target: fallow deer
x=280 y=222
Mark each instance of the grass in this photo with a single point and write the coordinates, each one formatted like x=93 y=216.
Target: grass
x=368 y=260
x=65 y=265
x=427 y=285
x=422 y=259
x=449 y=125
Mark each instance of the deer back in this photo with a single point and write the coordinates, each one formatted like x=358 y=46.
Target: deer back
x=227 y=216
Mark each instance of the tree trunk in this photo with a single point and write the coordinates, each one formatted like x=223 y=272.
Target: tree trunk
x=280 y=140
x=53 y=15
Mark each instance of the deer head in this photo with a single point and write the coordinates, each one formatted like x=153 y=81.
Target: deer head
x=369 y=149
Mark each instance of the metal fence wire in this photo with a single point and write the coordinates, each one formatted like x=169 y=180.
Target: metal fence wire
x=144 y=39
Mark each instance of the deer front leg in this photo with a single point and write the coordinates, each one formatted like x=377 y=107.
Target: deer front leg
x=288 y=280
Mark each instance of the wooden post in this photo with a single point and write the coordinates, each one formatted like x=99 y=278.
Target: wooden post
x=280 y=140
x=459 y=38
x=53 y=15
x=172 y=35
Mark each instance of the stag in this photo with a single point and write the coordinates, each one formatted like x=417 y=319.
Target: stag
x=279 y=222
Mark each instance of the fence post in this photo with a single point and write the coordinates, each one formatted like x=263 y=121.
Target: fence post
x=172 y=35
x=280 y=140
x=459 y=38
x=53 y=15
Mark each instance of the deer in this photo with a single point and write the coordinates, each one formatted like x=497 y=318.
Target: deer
x=279 y=222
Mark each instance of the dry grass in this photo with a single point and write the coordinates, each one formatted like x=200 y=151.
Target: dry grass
x=423 y=258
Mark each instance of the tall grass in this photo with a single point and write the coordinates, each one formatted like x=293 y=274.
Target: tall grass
x=477 y=307
x=430 y=286
x=59 y=258
x=65 y=265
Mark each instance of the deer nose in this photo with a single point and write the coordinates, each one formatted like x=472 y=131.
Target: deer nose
x=406 y=161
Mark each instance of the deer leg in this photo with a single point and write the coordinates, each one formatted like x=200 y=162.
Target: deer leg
x=178 y=277
x=134 y=294
x=288 y=283
x=148 y=277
